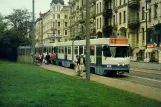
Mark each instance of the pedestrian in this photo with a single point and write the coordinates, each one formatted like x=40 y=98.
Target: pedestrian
x=47 y=58
x=41 y=59
x=81 y=63
x=75 y=62
x=52 y=58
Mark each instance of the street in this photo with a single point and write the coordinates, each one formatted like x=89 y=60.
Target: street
x=150 y=79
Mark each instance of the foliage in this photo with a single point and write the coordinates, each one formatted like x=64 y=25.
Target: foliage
x=20 y=20
x=20 y=25
x=30 y=86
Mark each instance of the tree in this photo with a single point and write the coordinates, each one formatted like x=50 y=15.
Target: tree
x=3 y=25
x=20 y=20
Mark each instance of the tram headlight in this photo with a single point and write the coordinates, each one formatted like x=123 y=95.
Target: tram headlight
x=118 y=64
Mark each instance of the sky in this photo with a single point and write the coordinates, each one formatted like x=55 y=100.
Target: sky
x=7 y=6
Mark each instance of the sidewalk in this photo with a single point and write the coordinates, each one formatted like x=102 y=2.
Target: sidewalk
x=145 y=91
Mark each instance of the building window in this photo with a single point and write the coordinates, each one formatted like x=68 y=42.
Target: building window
x=59 y=32
x=100 y=7
x=124 y=16
x=97 y=8
x=66 y=24
x=120 y=2
x=53 y=16
x=155 y=10
x=124 y=1
x=114 y=20
x=120 y=18
x=58 y=16
x=143 y=13
x=100 y=23
x=143 y=33
x=149 y=15
x=59 y=24
x=66 y=32
x=66 y=16
x=97 y=23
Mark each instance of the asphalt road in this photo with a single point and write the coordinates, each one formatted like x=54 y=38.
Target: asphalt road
x=143 y=78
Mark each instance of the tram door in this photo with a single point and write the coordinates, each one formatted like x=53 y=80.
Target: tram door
x=98 y=59
x=65 y=57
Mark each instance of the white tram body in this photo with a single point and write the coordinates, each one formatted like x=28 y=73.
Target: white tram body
x=106 y=54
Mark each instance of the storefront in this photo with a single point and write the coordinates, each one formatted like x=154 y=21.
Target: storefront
x=151 y=53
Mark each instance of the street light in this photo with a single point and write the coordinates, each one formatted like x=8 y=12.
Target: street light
x=147 y=3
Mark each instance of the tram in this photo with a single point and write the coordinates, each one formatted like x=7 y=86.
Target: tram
x=107 y=55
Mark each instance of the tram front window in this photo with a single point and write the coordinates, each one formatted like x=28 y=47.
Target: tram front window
x=116 y=51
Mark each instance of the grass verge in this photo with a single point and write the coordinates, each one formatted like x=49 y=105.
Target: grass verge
x=28 y=85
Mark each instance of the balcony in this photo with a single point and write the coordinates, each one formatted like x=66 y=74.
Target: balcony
x=107 y=28
x=133 y=22
x=133 y=3
x=107 y=12
x=93 y=15
x=81 y=21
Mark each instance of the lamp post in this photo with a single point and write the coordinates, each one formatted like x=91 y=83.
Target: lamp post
x=33 y=29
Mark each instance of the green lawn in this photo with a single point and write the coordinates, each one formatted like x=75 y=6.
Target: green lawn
x=30 y=86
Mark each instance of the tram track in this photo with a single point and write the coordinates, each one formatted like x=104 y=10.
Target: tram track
x=142 y=78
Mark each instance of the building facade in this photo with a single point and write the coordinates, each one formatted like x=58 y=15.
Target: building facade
x=53 y=26
x=78 y=19
x=137 y=20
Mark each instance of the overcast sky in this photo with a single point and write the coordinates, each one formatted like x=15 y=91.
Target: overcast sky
x=7 y=6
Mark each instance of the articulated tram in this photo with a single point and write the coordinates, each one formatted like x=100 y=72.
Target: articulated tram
x=107 y=55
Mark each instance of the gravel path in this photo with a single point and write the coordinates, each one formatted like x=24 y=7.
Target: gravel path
x=142 y=90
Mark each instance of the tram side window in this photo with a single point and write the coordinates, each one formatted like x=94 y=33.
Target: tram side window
x=80 y=50
x=59 y=50
x=44 y=49
x=106 y=51
x=84 y=49
x=92 y=50
x=76 y=50
x=69 y=50
x=62 y=50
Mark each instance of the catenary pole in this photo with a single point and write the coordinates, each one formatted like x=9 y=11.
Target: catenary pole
x=33 y=29
x=87 y=42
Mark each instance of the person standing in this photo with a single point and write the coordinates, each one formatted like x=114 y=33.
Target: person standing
x=41 y=59
x=76 y=66
x=47 y=58
x=52 y=58
x=81 y=64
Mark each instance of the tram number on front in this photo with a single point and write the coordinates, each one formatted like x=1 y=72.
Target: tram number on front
x=108 y=66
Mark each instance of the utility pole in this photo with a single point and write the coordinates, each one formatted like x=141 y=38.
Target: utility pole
x=87 y=42
x=33 y=29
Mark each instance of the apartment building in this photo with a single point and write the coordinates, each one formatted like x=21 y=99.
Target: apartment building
x=137 y=20
x=52 y=26
x=78 y=19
